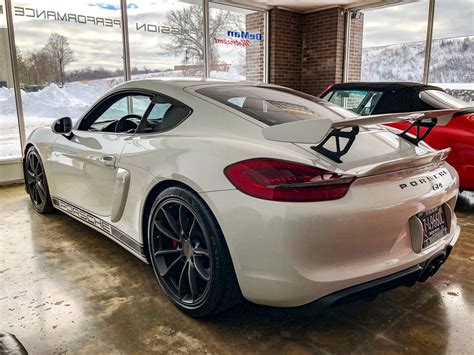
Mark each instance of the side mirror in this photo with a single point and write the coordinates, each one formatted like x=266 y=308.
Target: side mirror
x=62 y=126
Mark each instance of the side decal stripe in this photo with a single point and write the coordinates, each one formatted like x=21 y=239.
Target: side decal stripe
x=105 y=227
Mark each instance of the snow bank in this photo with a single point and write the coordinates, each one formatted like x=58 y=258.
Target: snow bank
x=232 y=74
x=52 y=102
x=41 y=108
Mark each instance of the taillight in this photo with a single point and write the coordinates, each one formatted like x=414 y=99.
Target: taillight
x=281 y=180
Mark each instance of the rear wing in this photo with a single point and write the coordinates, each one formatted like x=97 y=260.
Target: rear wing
x=344 y=132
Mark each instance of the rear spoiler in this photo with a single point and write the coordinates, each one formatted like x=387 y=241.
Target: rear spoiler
x=320 y=131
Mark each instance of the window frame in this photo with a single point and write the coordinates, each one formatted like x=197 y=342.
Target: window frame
x=162 y=98
x=156 y=97
x=104 y=103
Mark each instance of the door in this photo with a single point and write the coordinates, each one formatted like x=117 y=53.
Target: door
x=85 y=164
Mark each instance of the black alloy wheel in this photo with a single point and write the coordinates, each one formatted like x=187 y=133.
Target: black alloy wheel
x=180 y=251
x=189 y=255
x=36 y=183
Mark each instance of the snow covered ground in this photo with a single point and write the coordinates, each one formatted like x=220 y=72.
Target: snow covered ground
x=41 y=108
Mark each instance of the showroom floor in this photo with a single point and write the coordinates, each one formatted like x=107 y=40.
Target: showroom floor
x=65 y=287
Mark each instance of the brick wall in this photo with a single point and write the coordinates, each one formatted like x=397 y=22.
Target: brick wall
x=307 y=50
x=286 y=31
x=355 y=48
x=323 y=50
x=254 y=60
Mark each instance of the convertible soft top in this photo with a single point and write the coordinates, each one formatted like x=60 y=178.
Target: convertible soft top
x=385 y=86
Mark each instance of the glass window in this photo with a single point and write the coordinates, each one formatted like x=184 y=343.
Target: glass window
x=165 y=115
x=358 y=101
x=166 y=38
x=452 y=51
x=69 y=55
x=393 y=47
x=10 y=146
x=106 y=117
x=273 y=106
x=237 y=43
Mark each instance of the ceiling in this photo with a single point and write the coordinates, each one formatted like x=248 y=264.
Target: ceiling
x=313 y=5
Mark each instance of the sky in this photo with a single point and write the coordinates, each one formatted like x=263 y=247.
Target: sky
x=97 y=46
x=408 y=22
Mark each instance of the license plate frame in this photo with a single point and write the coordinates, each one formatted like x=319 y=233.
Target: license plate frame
x=435 y=225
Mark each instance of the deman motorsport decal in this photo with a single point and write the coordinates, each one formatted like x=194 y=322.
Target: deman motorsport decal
x=103 y=226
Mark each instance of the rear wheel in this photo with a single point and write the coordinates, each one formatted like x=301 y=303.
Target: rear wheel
x=189 y=254
x=36 y=183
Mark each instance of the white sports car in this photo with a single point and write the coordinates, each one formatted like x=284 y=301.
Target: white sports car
x=232 y=189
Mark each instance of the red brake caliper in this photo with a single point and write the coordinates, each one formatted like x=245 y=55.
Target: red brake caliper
x=174 y=242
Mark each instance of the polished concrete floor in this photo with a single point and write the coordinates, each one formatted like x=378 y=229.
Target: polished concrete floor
x=65 y=288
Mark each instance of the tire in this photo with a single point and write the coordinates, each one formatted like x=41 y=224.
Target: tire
x=36 y=182
x=465 y=201
x=189 y=256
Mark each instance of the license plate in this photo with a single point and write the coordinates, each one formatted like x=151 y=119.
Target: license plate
x=435 y=225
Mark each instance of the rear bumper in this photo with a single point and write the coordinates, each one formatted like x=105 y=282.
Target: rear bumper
x=369 y=290
x=291 y=254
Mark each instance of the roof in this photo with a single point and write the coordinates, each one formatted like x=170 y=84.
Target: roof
x=179 y=83
x=385 y=86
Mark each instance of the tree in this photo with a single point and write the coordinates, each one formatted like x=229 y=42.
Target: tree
x=190 y=40
x=60 y=53
x=23 y=68
x=40 y=67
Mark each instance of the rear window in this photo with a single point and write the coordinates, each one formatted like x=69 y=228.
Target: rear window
x=362 y=102
x=441 y=100
x=274 y=106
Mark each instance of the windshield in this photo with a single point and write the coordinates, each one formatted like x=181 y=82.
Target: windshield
x=441 y=100
x=360 y=101
x=274 y=106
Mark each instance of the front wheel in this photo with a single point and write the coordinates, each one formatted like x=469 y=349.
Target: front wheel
x=36 y=183
x=189 y=254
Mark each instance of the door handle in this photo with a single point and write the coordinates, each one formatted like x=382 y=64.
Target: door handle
x=108 y=160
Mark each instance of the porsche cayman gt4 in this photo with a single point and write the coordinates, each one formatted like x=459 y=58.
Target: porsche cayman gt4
x=236 y=190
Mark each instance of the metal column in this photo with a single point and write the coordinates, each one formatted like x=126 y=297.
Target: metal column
x=127 y=72
x=429 y=40
x=16 y=79
x=347 y=43
x=266 y=44
x=207 y=57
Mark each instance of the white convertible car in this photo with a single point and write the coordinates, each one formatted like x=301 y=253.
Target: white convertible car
x=232 y=189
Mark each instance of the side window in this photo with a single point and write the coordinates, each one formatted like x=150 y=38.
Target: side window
x=122 y=113
x=165 y=114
